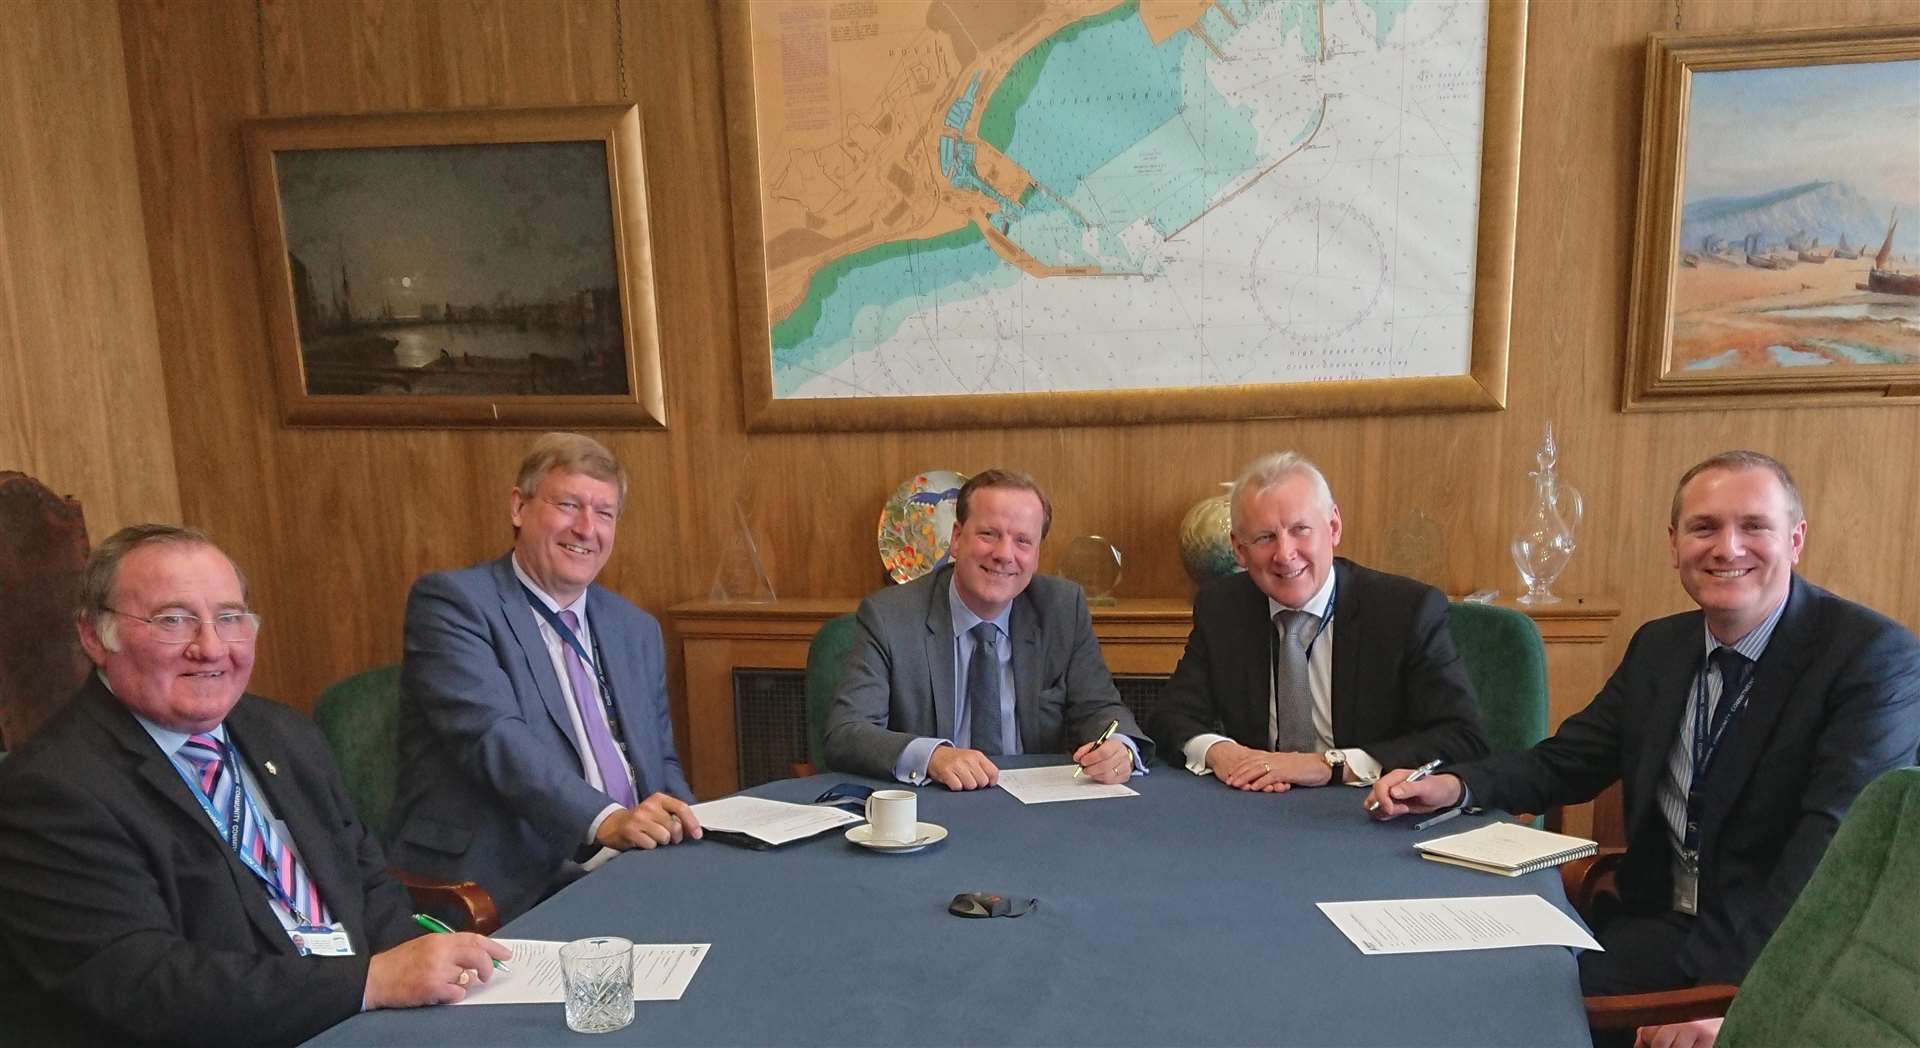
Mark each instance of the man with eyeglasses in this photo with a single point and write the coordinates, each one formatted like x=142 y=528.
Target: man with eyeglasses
x=1304 y=669
x=177 y=856
x=534 y=733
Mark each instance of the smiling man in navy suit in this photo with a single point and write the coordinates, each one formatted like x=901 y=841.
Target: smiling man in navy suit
x=1740 y=732
x=534 y=732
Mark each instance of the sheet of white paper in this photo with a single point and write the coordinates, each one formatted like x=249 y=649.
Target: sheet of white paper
x=775 y=822
x=660 y=973
x=1437 y=925
x=1047 y=785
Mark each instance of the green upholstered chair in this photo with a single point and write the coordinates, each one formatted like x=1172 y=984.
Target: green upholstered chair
x=826 y=661
x=1844 y=966
x=1507 y=664
x=360 y=716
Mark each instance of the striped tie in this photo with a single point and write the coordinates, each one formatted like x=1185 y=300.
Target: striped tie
x=258 y=843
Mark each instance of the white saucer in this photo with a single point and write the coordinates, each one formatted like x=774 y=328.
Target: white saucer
x=924 y=833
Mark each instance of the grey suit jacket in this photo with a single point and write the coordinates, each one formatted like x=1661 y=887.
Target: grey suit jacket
x=1835 y=701
x=125 y=918
x=898 y=684
x=491 y=788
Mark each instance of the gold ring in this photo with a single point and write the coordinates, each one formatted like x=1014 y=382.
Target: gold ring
x=466 y=976
x=1268 y=768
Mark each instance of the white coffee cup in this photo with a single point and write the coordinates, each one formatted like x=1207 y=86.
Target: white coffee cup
x=893 y=816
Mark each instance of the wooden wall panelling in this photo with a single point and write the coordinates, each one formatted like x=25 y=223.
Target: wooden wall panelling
x=80 y=368
x=336 y=525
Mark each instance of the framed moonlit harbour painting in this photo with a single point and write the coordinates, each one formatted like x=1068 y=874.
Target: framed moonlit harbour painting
x=483 y=268
x=1778 y=251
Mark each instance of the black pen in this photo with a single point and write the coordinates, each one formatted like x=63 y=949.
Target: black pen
x=1112 y=726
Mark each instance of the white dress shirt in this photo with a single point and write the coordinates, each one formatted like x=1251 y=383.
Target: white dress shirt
x=1319 y=683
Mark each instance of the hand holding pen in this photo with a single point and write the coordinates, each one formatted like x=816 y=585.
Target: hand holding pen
x=1091 y=752
x=1382 y=804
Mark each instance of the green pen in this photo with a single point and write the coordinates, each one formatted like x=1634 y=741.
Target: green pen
x=434 y=924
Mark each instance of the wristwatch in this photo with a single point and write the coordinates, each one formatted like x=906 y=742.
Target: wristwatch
x=1336 y=760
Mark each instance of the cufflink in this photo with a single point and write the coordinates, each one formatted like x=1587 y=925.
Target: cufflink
x=271 y=770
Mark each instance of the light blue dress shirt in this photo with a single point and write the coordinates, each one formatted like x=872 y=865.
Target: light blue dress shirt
x=912 y=765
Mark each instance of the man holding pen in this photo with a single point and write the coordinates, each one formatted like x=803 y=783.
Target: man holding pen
x=179 y=860
x=980 y=659
x=1741 y=733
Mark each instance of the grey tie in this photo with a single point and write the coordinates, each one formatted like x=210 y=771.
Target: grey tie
x=983 y=690
x=1292 y=694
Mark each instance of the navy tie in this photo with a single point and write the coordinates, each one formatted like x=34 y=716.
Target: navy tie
x=1734 y=668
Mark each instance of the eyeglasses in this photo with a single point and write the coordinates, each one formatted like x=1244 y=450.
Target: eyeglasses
x=174 y=628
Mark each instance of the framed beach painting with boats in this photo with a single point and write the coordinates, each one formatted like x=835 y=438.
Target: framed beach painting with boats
x=485 y=268
x=1777 y=259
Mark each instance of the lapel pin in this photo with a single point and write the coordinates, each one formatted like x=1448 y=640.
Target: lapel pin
x=271 y=770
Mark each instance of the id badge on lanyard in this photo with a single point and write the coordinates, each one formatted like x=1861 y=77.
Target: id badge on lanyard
x=1686 y=884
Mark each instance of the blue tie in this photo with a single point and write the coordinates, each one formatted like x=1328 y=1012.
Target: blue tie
x=983 y=691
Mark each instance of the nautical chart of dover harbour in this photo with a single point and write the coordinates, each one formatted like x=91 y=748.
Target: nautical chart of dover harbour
x=1017 y=197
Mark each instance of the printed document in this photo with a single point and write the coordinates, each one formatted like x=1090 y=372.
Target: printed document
x=1047 y=785
x=775 y=822
x=660 y=973
x=1438 y=925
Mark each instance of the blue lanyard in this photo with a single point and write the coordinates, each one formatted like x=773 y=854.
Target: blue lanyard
x=1326 y=620
x=234 y=823
x=1705 y=744
x=612 y=712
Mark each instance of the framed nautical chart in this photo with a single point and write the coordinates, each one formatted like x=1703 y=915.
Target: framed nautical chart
x=1778 y=251
x=1089 y=211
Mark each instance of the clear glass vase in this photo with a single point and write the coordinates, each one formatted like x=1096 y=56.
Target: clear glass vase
x=1548 y=527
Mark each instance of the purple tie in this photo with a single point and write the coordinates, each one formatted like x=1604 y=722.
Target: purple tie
x=586 y=699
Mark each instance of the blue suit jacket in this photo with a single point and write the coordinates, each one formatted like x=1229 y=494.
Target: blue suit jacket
x=491 y=788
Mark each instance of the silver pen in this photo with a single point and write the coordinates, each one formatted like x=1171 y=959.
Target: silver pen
x=1415 y=776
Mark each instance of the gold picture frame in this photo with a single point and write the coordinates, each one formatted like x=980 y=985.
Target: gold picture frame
x=1482 y=386
x=479 y=268
x=1763 y=208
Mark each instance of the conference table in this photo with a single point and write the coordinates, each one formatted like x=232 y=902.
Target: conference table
x=1182 y=916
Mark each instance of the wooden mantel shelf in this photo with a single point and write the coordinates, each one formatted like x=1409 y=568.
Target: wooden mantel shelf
x=1139 y=637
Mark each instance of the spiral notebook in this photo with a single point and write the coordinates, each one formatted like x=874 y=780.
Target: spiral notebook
x=1505 y=848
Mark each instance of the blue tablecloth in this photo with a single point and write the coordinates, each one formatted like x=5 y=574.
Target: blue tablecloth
x=1183 y=916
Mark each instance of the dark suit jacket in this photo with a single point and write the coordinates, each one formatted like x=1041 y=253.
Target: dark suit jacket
x=124 y=916
x=898 y=684
x=491 y=788
x=1400 y=691
x=1835 y=701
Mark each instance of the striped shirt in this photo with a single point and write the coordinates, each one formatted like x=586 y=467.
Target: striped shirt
x=1673 y=787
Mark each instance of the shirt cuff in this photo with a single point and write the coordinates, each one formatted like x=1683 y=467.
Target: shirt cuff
x=1365 y=768
x=593 y=830
x=1195 y=751
x=1139 y=766
x=911 y=768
